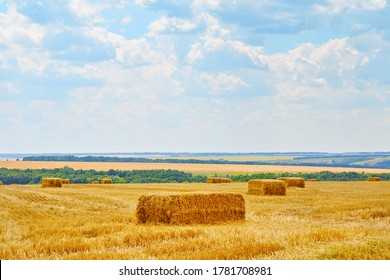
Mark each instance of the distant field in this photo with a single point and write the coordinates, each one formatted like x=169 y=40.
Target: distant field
x=231 y=158
x=187 y=167
x=326 y=220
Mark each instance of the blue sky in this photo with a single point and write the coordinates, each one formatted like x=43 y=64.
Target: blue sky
x=197 y=76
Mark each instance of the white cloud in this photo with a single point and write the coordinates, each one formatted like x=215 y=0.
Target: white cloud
x=217 y=84
x=144 y=3
x=310 y=70
x=126 y=20
x=213 y=4
x=336 y=7
x=166 y=24
x=17 y=29
x=86 y=11
x=217 y=39
x=8 y=87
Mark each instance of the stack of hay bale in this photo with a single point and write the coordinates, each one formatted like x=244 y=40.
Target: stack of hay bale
x=217 y=180
x=51 y=182
x=267 y=187
x=374 y=179
x=293 y=182
x=106 y=181
x=202 y=208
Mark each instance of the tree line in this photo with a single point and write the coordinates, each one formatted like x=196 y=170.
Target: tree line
x=34 y=176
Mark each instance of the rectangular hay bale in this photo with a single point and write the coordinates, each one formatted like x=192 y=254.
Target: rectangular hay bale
x=214 y=180
x=374 y=179
x=295 y=182
x=65 y=181
x=267 y=187
x=217 y=180
x=51 y=182
x=190 y=208
x=106 y=181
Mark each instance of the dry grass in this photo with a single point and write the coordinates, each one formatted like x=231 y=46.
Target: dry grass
x=325 y=220
x=197 y=168
x=190 y=208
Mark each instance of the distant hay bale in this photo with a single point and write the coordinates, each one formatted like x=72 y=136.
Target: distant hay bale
x=106 y=181
x=1 y=183
x=214 y=180
x=51 y=182
x=186 y=182
x=95 y=182
x=374 y=179
x=217 y=180
x=311 y=180
x=267 y=187
x=65 y=181
x=190 y=208
x=293 y=182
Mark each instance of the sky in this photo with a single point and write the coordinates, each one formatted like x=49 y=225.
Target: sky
x=194 y=76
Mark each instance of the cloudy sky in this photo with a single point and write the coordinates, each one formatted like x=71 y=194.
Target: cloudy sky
x=197 y=76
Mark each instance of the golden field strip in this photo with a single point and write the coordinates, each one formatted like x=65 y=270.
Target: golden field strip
x=187 y=167
x=325 y=220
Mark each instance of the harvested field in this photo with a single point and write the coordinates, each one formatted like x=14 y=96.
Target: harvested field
x=326 y=220
x=197 y=168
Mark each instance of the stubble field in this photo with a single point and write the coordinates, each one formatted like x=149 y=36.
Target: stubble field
x=326 y=220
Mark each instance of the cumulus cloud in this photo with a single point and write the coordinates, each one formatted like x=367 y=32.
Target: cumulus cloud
x=17 y=29
x=307 y=69
x=336 y=7
x=166 y=24
x=218 y=39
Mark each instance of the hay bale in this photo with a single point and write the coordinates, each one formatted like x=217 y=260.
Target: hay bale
x=95 y=182
x=65 y=181
x=374 y=179
x=190 y=208
x=267 y=187
x=1 y=183
x=217 y=180
x=311 y=180
x=214 y=180
x=293 y=181
x=106 y=181
x=51 y=182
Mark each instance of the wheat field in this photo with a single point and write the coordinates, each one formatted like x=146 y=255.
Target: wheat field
x=325 y=220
